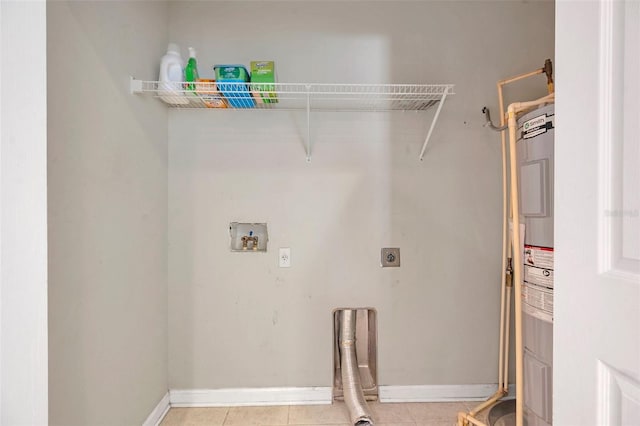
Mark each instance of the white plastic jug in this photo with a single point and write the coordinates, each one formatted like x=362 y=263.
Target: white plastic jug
x=171 y=77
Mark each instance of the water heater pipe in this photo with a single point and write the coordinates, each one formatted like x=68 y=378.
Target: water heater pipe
x=505 y=309
x=351 y=386
x=513 y=110
x=521 y=77
x=487 y=116
x=464 y=419
x=467 y=419
x=503 y=383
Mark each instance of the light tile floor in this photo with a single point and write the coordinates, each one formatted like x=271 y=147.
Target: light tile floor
x=336 y=414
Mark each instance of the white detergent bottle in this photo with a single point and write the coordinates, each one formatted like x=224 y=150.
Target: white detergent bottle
x=171 y=77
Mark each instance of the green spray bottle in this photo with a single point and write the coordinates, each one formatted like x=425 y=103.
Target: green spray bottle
x=191 y=70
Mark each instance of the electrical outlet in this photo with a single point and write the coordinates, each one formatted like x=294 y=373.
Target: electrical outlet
x=390 y=257
x=284 y=257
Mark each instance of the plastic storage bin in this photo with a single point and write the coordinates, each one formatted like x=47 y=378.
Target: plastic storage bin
x=232 y=83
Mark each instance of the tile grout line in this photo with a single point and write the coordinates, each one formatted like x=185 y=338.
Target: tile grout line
x=226 y=414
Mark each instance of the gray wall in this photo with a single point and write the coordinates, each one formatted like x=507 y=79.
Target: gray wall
x=107 y=213
x=237 y=320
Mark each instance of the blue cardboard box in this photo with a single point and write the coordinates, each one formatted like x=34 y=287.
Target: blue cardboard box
x=232 y=83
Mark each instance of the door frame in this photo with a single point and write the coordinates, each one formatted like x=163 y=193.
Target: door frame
x=23 y=213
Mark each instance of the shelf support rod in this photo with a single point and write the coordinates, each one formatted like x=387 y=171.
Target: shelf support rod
x=433 y=123
x=308 y=147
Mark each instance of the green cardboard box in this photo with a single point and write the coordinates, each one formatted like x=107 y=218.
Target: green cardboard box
x=264 y=72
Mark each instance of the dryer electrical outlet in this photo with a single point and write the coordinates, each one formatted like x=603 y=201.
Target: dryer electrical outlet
x=390 y=257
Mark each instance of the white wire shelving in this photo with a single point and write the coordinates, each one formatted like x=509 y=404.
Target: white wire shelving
x=307 y=97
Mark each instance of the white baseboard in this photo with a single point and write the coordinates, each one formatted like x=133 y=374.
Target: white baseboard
x=437 y=393
x=323 y=395
x=250 y=396
x=158 y=412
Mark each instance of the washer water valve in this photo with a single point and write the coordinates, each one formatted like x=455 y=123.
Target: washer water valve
x=249 y=239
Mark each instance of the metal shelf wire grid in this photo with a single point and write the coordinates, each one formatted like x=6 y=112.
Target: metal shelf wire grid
x=297 y=96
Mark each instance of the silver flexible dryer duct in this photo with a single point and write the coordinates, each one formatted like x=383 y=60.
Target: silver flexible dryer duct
x=351 y=387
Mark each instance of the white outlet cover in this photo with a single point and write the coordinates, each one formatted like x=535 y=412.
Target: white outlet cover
x=284 y=257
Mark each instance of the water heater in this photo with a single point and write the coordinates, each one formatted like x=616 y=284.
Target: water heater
x=535 y=161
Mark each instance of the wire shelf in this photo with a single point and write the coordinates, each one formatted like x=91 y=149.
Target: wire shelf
x=296 y=96
x=300 y=96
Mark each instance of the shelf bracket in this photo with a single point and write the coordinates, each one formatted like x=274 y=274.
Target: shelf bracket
x=308 y=146
x=433 y=123
x=135 y=86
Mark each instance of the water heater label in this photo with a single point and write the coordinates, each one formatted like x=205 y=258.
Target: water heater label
x=536 y=126
x=538 y=276
x=541 y=257
x=538 y=302
x=538 y=266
